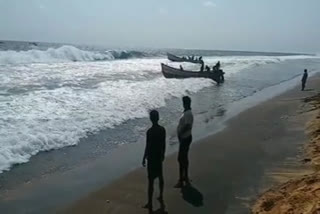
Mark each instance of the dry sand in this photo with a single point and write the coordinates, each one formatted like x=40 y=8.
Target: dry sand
x=313 y=129
x=228 y=169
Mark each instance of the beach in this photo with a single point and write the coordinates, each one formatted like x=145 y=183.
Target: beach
x=259 y=148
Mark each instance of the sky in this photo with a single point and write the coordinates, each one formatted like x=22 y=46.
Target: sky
x=253 y=25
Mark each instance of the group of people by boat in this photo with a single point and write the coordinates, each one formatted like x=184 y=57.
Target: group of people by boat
x=192 y=58
x=216 y=73
x=215 y=69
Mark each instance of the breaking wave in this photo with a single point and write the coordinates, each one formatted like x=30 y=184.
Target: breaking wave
x=65 y=53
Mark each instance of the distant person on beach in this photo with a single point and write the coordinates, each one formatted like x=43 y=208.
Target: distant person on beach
x=185 y=138
x=181 y=68
x=154 y=154
x=304 y=79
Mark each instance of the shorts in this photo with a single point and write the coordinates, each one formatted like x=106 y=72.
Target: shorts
x=184 y=149
x=154 y=170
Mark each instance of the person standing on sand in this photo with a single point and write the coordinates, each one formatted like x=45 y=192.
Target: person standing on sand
x=154 y=154
x=304 y=79
x=185 y=138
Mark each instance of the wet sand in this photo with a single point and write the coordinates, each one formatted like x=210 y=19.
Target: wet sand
x=259 y=148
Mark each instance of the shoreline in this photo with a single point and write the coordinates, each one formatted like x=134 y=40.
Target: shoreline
x=237 y=170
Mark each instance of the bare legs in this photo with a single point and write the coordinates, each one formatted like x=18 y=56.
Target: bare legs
x=183 y=172
x=150 y=193
x=151 y=190
x=183 y=161
x=161 y=186
x=303 y=86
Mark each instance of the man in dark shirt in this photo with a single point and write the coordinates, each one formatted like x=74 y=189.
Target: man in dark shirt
x=304 y=79
x=154 y=154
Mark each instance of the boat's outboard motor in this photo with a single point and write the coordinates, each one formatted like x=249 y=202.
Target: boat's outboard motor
x=221 y=76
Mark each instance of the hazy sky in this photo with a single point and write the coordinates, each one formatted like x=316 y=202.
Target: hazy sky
x=262 y=25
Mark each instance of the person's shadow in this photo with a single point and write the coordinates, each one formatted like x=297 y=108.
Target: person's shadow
x=162 y=209
x=309 y=89
x=191 y=195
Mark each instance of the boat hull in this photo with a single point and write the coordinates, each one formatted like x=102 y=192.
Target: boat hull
x=170 y=72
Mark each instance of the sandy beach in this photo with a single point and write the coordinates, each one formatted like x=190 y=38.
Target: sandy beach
x=299 y=194
x=259 y=148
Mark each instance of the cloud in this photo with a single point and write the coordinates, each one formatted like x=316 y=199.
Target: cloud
x=163 y=11
x=209 y=4
x=40 y=4
x=41 y=7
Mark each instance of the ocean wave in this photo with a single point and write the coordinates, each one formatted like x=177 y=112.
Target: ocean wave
x=64 y=53
x=127 y=54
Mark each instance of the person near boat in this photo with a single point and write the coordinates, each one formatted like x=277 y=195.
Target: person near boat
x=207 y=68
x=217 y=66
x=202 y=66
x=221 y=75
x=216 y=70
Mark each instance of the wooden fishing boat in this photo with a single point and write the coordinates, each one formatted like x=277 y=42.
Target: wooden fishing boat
x=175 y=58
x=170 y=72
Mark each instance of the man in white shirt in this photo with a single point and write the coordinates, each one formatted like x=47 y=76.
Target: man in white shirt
x=185 y=138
